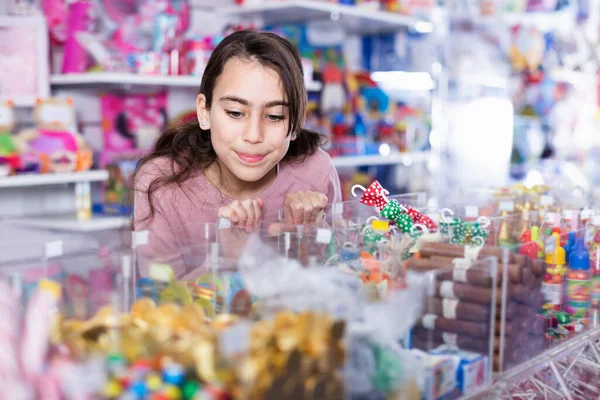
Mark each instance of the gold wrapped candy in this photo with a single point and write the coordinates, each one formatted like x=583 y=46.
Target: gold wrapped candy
x=294 y=355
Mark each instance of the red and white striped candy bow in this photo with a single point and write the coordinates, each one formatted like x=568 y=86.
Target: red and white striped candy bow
x=373 y=196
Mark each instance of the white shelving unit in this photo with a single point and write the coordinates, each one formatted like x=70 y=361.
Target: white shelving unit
x=355 y=19
x=95 y=79
x=372 y=160
x=69 y=223
x=17 y=181
x=35 y=23
x=551 y=20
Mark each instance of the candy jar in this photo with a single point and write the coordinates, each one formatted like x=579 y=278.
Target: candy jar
x=570 y=221
x=592 y=239
x=595 y=265
x=535 y=237
x=579 y=281
x=553 y=279
x=570 y=246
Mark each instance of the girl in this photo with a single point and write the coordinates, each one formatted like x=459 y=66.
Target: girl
x=245 y=158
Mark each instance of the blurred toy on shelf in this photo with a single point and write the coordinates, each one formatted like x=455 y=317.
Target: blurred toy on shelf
x=133 y=36
x=9 y=153
x=132 y=121
x=54 y=142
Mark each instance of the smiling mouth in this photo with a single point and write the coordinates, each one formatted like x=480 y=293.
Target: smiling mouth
x=250 y=158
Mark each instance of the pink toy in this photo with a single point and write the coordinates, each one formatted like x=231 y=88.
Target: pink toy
x=54 y=142
x=132 y=121
x=56 y=17
x=79 y=20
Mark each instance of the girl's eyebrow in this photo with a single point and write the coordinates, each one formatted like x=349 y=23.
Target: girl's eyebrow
x=247 y=103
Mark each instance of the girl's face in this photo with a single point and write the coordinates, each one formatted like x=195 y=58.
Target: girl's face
x=248 y=119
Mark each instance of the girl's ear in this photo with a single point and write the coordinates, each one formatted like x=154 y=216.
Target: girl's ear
x=202 y=112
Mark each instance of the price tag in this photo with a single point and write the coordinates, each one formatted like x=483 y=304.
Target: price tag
x=589 y=234
x=546 y=200
x=224 y=223
x=53 y=249
x=550 y=244
x=381 y=226
x=586 y=214
x=161 y=272
x=507 y=205
x=338 y=208
x=139 y=238
x=472 y=211
x=234 y=339
x=324 y=236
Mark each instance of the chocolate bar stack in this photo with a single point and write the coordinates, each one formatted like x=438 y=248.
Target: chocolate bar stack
x=460 y=311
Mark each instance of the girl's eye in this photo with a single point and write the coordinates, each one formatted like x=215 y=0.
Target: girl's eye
x=275 y=118
x=235 y=114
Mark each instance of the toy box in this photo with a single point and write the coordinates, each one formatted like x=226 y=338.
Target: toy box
x=132 y=121
x=116 y=197
x=438 y=375
x=472 y=371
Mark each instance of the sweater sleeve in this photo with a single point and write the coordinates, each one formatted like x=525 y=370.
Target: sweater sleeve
x=162 y=246
x=332 y=185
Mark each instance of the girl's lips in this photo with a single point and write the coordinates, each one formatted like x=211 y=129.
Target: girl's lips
x=250 y=158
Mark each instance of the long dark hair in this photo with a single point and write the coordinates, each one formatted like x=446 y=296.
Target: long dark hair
x=189 y=147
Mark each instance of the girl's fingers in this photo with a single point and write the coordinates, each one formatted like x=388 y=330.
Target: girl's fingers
x=228 y=213
x=240 y=211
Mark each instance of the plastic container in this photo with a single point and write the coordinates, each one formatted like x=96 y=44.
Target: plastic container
x=552 y=286
x=579 y=283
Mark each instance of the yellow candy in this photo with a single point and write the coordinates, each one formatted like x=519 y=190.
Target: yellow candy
x=153 y=382
x=112 y=389
x=172 y=392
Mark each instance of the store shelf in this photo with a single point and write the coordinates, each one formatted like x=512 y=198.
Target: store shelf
x=123 y=79
x=94 y=79
x=526 y=370
x=53 y=179
x=353 y=18
x=371 y=160
x=70 y=224
x=574 y=77
x=314 y=86
x=544 y=21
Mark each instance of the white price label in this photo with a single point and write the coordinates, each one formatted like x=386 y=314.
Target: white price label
x=546 y=200
x=449 y=308
x=139 y=238
x=53 y=249
x=224 y=223
x=338 y=208
x=234 y=339
x=552 y=293
x=586 y=214
x=507 y=205
x=428 y=321
x=449 y=338
x=550 y=244
x=324 y=236
x=447 y=290
x=589 y=234
x=472 y=211
x=161 y=272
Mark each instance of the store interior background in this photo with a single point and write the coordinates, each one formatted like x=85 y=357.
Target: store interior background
x=451 y=94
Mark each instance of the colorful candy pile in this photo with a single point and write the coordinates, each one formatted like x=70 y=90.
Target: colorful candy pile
x=172 y=352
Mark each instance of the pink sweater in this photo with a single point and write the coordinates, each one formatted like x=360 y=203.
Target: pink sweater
x=178 y=234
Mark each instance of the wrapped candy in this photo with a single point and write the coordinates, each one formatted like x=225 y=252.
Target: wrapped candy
x=373 y=196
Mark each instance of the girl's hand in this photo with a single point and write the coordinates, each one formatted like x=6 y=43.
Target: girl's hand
x=304 y=207
x=243 y=214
